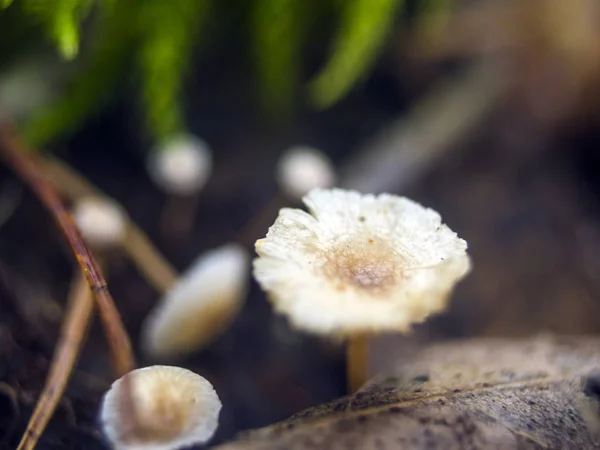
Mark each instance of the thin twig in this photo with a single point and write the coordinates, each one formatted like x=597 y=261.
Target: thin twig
x=72 y=337
x=16 y=154
x=149 y=261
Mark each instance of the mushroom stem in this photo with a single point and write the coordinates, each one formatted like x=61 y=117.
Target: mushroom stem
x=357 y=361
x=152 y=265
x=178 y=215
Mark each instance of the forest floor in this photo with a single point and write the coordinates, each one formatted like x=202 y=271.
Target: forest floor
x=526 y=200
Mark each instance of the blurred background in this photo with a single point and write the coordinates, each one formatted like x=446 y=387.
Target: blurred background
x=485 y=110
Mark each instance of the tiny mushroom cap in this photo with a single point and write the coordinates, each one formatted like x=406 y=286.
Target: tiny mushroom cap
x=200 y=306
x=101 y=221
x=359 y=263
x=180 y=165
x=173 y=407
x=301 y=169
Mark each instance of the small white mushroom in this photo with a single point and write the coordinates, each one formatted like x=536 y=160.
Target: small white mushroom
x=180 y=165
x=101 y=221
x=173 y=407
x=301 y=169
x=200 y=306
x=359 y=263
x=356 y=265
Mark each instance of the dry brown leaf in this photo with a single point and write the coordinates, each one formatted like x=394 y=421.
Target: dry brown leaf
x=540 y=393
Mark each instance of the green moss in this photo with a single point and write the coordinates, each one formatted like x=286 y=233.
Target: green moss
x=364 y=26
x=157 y=38
x=94 y=84
x=277 y=36
x=167 y=31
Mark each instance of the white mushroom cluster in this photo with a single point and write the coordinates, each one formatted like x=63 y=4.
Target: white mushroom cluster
x=359 y=263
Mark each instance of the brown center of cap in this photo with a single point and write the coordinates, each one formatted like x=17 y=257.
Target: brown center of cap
x=164 y=418
x=367 y=264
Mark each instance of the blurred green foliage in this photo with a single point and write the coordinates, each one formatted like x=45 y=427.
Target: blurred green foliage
x=155 y=39
x=276 y=50
x=364 y=25
x=60 y=19
x=96 y=81
x=167 y=31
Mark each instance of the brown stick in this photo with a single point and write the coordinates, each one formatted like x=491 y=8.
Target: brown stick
x=15 y=153
x=72 y=337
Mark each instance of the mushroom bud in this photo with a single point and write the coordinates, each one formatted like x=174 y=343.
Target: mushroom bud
x=101 y=221
x=172 y=408
x=180 y=165
x=301 y=169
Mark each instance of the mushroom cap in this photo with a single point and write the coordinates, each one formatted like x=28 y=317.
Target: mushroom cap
x=200 y=306
x=180 y=165
x=303 y=168
x=174 y=407
x=359 y=263
x=101 y=221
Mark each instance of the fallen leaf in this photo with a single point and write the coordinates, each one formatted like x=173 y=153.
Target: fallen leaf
x=539 y=393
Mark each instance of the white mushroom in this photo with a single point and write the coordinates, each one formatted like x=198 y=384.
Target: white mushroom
x=357 y=265
x=172 y=408
x=200 y=306
x=101 y=221
x=180 y=165
x=301 y=169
